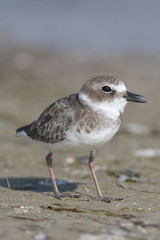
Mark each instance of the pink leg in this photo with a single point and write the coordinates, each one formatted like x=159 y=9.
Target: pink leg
x=99 y=193
x=52 y=176
x=53 y=180
x=91 y=167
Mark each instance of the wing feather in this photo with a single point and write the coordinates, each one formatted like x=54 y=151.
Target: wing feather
x=52 y=124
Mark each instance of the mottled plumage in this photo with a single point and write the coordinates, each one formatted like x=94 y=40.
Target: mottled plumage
x=52 y=124
x=82 y=121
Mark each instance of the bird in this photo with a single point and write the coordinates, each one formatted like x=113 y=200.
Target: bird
x=83 y=121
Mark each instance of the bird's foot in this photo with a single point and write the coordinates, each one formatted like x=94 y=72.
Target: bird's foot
x=66 y=195
x=107 y=199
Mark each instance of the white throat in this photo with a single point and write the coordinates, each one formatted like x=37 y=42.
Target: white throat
x=111 y=110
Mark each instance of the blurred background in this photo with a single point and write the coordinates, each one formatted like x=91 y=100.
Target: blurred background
x=48 y=49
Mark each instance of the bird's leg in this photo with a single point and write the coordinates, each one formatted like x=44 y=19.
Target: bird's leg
x=91 y=167
x=52 y=176
x=99 y=193
x=58 y=195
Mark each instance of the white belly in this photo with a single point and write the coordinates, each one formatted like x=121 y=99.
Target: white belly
x=92 y=139
x=82 y=141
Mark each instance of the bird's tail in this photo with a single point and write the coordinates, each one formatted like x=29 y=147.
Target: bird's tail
x=22 y=131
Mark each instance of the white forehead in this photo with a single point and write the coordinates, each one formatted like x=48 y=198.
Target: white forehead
x=120 y=87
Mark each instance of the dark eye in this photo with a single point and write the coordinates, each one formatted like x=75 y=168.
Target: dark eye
x=106 y=89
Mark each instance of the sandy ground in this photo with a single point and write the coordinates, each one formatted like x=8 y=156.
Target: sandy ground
x=127 y=167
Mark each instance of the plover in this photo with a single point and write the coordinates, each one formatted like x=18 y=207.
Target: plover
x=83 y=121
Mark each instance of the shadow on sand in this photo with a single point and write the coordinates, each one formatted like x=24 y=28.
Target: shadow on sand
x=37 y=184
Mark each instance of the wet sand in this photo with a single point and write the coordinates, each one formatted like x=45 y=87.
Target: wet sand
x=31 y=80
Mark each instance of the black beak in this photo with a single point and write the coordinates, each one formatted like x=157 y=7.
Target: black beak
x=132 y=97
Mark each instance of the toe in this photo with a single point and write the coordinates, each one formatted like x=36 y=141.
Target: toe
x=58 y=196
x=106 y=199
x=66 y=195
